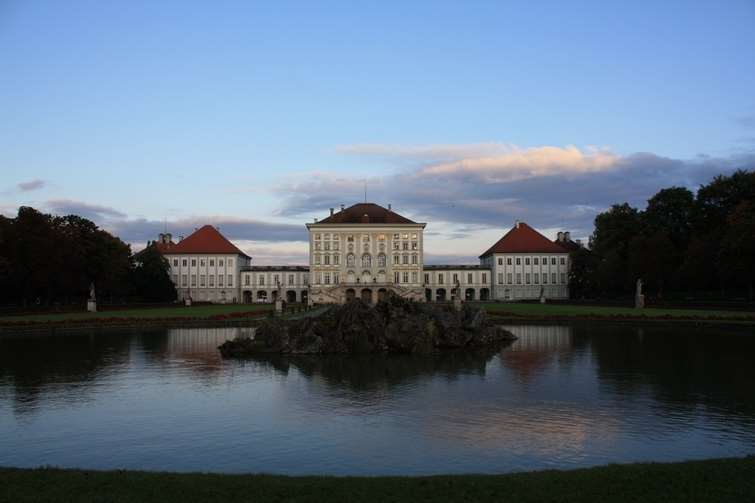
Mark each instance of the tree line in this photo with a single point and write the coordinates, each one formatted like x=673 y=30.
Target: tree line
x=47 y=259
x=682 y=243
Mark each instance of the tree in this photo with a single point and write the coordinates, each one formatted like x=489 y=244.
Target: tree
x=737 y=253
x=151 y=276
x=614 y=231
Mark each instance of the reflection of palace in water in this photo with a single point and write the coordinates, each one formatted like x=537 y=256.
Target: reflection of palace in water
x=201 y=344
x=535 y=347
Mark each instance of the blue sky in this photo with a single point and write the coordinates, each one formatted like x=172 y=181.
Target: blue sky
x=467 y=115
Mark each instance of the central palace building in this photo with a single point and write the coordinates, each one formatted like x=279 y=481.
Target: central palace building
x=366 y=251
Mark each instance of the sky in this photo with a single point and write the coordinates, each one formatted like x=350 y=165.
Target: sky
x=259 y=117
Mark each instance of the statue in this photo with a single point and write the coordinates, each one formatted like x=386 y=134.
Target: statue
x=542 y=294
x=457 y=296
x=639 y=298
x=92 y=300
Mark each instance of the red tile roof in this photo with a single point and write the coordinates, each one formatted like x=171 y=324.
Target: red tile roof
x=206 y=239
x=524 y=239
x=366 y=213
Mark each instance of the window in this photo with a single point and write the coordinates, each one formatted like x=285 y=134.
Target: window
x=184 y=282
x=317 y=246
x=201 y=280
x=335 y=278
x=527 y=278
x=537 y=278
x=261 y=280
x=553 y=261
x=456 y=278
x=327 y=235
x=508 y=261
x=230 y=280
x=317 y=260
x=395 y=260
x=201 y=263
x=247 y=280
x=427 y=279
x=327 y=278
x=440 y=278
x=366 y=261
x=535 y=261
x=500 y=261
x=220 y=280
x=317 y=236
x=335 y=246
x=366 y=237
x=563 y=278
x=395 y=277
x=175 y=262
x=405 y=277
x=469 y=277
x=545 y=260
x=414 y=277
x=350 y=260
x=366 y=247
x=350 y=238
x=500 y=278
x=230 y=262
x=276 y=279
x=406 y=245
x=327 y=245
x=414 y=259
x=563 y=260
x=175 y=279
x=484 y=278
x=183 y=262
x=545 y=278
x=405 y=259
x=405 y=236
x=220 y=263
x=414 y=235
x=508 y=278
x=290 y=279
x=327 y=259
x=212 y=263
x=396 y=245
x=518 y=261
x=527 y=261
x=414 y=245
x=336 y=259
x=381 y=260
x=335 y=237
x=553 y=277
x=211 y=277
x=381 y=237
x=395 y=236
x=518 y=278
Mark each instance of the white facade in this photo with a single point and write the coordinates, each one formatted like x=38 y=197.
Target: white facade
x=266 y=283
x=520 y=276
x=441 y=282
x=207 y=278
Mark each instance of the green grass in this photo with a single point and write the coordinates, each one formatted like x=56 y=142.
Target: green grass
x=564 y=310
x=178 y=311
x=717 y=480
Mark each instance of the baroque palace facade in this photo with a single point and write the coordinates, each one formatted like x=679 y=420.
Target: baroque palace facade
x=366 y=251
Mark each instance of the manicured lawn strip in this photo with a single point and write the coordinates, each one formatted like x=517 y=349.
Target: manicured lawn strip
x=178 y=312
x=565 y=310
x=716 y=480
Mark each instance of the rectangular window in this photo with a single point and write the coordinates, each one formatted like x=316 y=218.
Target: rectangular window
x=327 y=259
x=183 y=262
x=247 y=280
x=327 y=245
x=456 y=278
x=336 y=237
x=230 y=280
x=261 y=280
x=553 y=277
x=563 y=260
x=175 y=279
x=545 y=278
x=500 y=261
x=414 y=245
x=534 y=261
x=545 y=261
x=184 y=281
x=395 y=236
x=527 y=261
x=317 y=236
x=527 y=278
x=175 y=262
x=350 y=239
x=212 y=281
x=414 y=277
x=563 y=278
x=484 y=278
x=518 y=278
x=508 y=261
x=406 y=259
x=395 y=277
x=335 y=278
x=201 y=280
x=220 y=280
x=201 y=263
x=500 y=278
x=405 y=236
x=317 y=246
x=414 y=235
x=414 y=259
x=212 y=263
x=230 y=262
x=335 y=246
x=396 y=245
x=317 y=260
x=440 y=279
x=336 y=259
x=553 y=261
x=406 y=277
x=395 y=259
x=537 y=278
x=290 y=279
x=220 y=263
x=427 y=279
x=327 y=278
x=193 y=262
x=276 y=279
x=508 y=278
x=469 y=278
x=406 y=245
x=518 y=261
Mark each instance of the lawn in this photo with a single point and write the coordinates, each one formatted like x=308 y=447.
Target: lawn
x=717 y=480
x=564 y=310
x=178 y=311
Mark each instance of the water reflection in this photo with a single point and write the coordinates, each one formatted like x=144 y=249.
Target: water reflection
x=560 y=396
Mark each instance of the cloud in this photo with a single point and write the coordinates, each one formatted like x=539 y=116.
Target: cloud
x=31 y=185
x=548 y=187
x=94 y=212
x=746 y=121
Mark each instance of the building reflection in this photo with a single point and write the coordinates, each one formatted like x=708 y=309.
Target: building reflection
x=537 y=348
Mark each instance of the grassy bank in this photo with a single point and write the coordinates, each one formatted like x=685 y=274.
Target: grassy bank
x=580 y=311
x=717 y=480
x=178 y=312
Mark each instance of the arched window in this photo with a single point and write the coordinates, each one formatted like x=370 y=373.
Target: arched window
x=366 y=260
x=350 y=260
x=381 y=260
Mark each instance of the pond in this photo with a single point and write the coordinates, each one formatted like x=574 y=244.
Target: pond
x=559 y=397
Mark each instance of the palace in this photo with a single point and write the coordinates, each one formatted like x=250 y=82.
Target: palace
x=365 y=251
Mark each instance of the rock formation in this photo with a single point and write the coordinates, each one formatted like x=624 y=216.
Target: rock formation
x=392 y=326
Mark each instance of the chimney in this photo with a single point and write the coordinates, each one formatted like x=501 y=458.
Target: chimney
x=331 y=212
x=342 y=207
x=389 y=206
x=567 y=236
x=160 y=238
x=516 y=224
x=560 y=237
x=168 y=237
